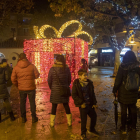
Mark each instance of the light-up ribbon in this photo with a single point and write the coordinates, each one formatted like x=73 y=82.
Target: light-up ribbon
x=40 y=34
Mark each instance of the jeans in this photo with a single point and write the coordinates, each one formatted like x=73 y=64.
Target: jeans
x=93 y=116
x=31 y=95
x=132 y=114
x=66 y=106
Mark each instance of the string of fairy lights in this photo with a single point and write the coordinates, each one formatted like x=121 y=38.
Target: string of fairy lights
x=40 y=33
x=91 y=25
x=124 y=11
x=41 y=53
x=134 y=22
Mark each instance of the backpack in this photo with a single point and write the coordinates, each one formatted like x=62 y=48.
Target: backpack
x=132 y=80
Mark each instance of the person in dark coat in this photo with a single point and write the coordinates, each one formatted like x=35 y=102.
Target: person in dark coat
x=9 y=69
x=84 y=98
x=84 y=64
x=59 y=70
x=127 y=99
x=4 y=77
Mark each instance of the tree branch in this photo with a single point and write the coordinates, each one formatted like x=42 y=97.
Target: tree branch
x=4 y=11
x=115 y=5
x=112 y=15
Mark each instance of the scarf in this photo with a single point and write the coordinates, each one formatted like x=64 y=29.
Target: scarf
x=83 y=83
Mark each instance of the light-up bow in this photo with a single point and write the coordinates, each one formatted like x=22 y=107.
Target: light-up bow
x=40 y=33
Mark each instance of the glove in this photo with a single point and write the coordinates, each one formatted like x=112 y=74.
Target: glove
x=83 y=105
x=95 y=106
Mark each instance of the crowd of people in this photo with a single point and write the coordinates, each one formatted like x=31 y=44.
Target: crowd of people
x=23 y=76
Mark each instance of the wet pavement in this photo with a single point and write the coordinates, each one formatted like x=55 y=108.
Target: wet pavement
x=42 y=131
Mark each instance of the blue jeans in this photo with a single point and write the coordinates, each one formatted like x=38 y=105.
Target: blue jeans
x=31 y=95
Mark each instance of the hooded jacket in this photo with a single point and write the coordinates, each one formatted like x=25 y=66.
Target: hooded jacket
x=4 y=77
x=77 y=93
x=125 y=96
x=24 y=75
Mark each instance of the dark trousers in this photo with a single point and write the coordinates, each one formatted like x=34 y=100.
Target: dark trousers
x=7 y=104
x=132 y=114
x=93 y=116
x=31 y=95
x=66 y=106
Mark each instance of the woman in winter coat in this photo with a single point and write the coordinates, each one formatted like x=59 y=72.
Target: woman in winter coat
x=84 y=64
x=4 y=77
x=59 y=75
x=127 y=98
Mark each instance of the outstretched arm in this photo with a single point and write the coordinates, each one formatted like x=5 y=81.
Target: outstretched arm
x=36 y=72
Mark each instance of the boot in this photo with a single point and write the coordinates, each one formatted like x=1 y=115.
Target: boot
x=11 y=116
x=0 y=117
x=52 y=120
x=34 y=119
x=69 y=119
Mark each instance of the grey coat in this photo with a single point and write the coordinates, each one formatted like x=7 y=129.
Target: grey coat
x=65 y=79
x=4 y=77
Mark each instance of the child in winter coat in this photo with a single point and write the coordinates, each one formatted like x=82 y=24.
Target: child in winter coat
x=84 y=98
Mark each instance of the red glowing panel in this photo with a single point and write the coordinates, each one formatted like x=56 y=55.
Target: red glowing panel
x=41 y=53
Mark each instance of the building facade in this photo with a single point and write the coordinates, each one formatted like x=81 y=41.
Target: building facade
x=18 y=27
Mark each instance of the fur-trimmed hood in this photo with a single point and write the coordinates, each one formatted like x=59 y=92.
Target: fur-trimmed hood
x=58 y=64
x=3 y=66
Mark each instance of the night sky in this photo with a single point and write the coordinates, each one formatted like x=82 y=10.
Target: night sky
x=38 y=4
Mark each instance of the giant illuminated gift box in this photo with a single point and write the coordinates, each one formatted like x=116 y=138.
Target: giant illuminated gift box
x=41 y=53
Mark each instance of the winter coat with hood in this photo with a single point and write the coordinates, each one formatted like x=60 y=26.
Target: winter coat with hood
x=24 y=75
x=4 y=77
x=64 y=78
x=77 y=93
x=125 y=96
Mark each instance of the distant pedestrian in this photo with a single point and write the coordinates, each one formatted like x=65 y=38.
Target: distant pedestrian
x=9 y=82
x=84 y=64
x=4 y=77
x=127 y=85
x=59 y=80
x=11 y=66
x=84 y=98
x=23 y=76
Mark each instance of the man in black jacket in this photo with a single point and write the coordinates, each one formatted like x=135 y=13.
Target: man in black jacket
x=84 y=98
x=4 y=76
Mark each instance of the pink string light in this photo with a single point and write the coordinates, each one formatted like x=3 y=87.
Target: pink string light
x=41 y=53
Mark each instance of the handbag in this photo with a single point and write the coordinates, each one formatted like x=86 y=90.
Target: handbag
x=64 y=89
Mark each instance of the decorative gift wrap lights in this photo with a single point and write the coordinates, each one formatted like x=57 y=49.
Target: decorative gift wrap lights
x=39 y=33
x=41 y=53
